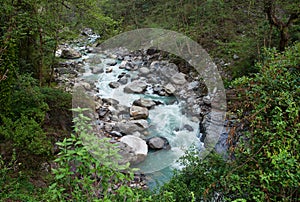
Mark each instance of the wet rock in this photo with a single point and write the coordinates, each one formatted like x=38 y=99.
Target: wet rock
x=97 y=69
x=109 y=70
x=139 y=148
x=188 y=128
x=139 y=112
x=123 y=64
x=111 y=63
x=114 y=84
x=123 y=80
x=144 y=103
x=70 y=54
x=178 y=79
x=158 y=143
x=135 y=87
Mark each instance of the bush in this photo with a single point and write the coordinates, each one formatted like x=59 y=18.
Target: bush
x=266 y=157
x=84 y=176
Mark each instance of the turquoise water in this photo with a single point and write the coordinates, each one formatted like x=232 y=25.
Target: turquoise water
x=165 y=120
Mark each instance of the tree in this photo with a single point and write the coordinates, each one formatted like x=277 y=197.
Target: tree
x=291 y=13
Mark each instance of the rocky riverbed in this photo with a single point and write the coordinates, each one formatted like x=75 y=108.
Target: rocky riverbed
x=147 y=106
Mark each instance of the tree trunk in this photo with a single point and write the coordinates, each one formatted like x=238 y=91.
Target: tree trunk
x=284 y=38
x=279 y=24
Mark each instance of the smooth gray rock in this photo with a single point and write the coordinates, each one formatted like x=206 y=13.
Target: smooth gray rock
x=170 y=89
x=70 y=54
x=129 y=127
x=114 y=84
x=135 y=87
x=158 y=143
x=178 y=79
x=144 y=103
x=139 y=148
x=139 y=112
x=144 y=70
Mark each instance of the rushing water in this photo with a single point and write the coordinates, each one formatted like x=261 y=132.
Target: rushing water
x=165 y=120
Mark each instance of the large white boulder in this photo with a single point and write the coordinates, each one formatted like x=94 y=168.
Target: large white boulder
x=138 y=147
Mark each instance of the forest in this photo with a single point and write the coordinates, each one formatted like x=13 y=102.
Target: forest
x=43 y=138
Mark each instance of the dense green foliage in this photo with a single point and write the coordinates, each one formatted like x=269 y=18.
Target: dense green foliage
x=223 y=28
x=265 y=165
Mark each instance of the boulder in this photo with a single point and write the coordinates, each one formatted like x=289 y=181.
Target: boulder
x=97 y=69
x=144 y=103
x=139 y=148
x=144 y=70
x=139 y=112
x=158 y=143
x=129 y=127
x=170 y=89
x=108 y=70
x=123 y=64
x=123 y=80
x=135 y=87
x=70 y=54
x=83 y=84
x=178 y=79
x=114 y=84
x=87 y=31
x=188 y=127
x=111 y=63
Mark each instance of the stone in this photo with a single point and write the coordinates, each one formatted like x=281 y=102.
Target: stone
x=135 y=87
x=178 y=79
x=235 y=57
x=83 y=84
x=97 y=69
x=141 y=123
x=170 y=89
x=129 y=127
x=188 y=128
x=194 y=85
x=87 y=31
x=110 y=101
x=144 y=70
x=123 y=64
x=123 y=80
x=109 y=70
x=158 y=143
x=151 y=51
x=114 y=84
x=144 y=103
x=70 y=54
x=169 y=70
x=139 y=148
x=102 y=112
x=207 y=100
x=116 y=134
x=111 y=63
x=139 y=112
